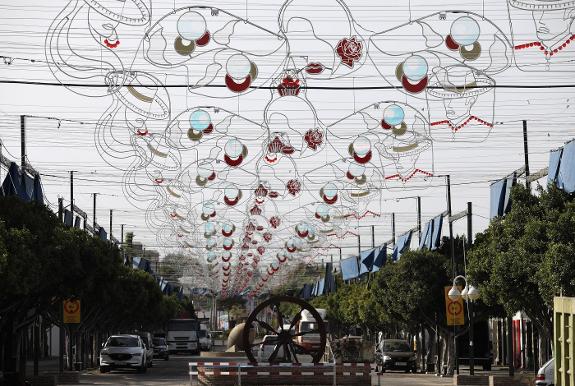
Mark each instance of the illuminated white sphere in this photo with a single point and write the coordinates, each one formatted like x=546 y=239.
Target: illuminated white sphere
x=322 y=210
x=227 y=242
x=330 y=190
x=209 y=227
x=227 y=255
x=233 y=148
x=361 y=146
x=301 y=227
x=356 y=170
x=465 y=31
x=228 y=228
x=393 y=115
x=208 y=209
x=274 y=265
x=200 y=120
x=238 y=66
x=415 y=68
x=211 y=243
x=231 y=192
x=205 y=170
x=211 y=257
x=191 y=26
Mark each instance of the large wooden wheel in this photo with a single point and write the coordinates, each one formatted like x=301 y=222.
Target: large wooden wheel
x=286 y=348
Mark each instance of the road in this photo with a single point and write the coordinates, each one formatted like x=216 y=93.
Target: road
x=175 y=373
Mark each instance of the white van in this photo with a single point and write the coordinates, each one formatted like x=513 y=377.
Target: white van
x=311 y=340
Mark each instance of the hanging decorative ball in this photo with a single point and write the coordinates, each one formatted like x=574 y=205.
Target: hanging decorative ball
x=415 y=68
x=191 y=26
x=393 y=115
x=465 y=31
x=200 y=120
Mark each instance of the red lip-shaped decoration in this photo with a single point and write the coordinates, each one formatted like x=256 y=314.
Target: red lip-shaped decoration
x=348 y=175
x=314 y=68
x=212 y=177
x=451 y=44
x=158 y=180
x=317 y=216
x=273 y=194
x=233 y=162
x=384 y=125
x=362 y=160
x=238 y=87
x=259 y=228
x=330 y=200
x=414 y=88
x=288 y=149
x=111 y=45
x=142 y=133
x=205 y=39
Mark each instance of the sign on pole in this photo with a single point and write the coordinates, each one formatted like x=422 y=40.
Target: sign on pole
x=454 y=310
x=71 y=311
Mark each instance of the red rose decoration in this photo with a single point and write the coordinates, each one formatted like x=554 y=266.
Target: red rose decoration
x=293 y=187
x=275 y=222
x=267 y=236
x=314 y=138
x=349 y=50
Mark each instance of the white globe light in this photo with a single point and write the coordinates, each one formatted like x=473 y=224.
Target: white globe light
x=330 y=190
x=361 y=146
x=454 y=293
x=200 y=120
x=210 y=243
x=238 y=66
x=211 y=256
x=227 y=242
x=227 y=255
x=233 y=148
x=465 y=31
x=208 y=209
x=415 y=68
x=191 y=26
x=228 y=228
x=393 y=115
x=209 y=227
x=231 y=192
x=205 y=170
x=356 y=170
x=301 y=227
x=322 y=210
x=473 y=293
x=464 y=293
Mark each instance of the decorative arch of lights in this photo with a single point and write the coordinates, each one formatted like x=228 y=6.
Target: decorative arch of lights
x=251 y=192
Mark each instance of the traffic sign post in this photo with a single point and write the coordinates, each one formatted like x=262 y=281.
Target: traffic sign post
x=71 y=314
x=454 y=310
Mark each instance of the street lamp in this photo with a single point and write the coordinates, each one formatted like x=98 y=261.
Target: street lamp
x=470 y=294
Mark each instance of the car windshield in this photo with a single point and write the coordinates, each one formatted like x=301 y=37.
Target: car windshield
x=269 y=340
x=159 y=341
x=307 y=326
x=122 y=341
x=183 y=325
x=396 y=346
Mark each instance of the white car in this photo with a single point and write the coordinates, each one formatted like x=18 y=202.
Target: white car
x=124 y=351
x=546 y=374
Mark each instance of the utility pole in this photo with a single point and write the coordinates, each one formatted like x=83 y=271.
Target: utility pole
x=60 y=209
x=23 y=142
x=393 y=227
x=94 y=211
x=469 y=225
x=72 y=192
x=358 y=242
x=419 y=217
x=451 y=241
x=111 y=211
x=526 y=154
x=373 y=236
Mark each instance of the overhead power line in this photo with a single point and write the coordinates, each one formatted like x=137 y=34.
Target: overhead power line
x=182 y=85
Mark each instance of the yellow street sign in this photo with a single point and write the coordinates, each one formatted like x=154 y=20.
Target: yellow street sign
x=454 y=310
x=71 y=311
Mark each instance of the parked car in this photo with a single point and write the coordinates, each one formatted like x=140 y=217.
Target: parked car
x=147 y=339
x=395 y=354
x=124 y=351
x=546 y=374
x=205 y=338
x=267 y=347
x=160 y=348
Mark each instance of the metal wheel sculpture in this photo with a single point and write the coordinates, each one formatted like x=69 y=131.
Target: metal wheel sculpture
x=287 y=346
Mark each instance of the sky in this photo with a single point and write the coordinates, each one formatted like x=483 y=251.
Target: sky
x=93 y=130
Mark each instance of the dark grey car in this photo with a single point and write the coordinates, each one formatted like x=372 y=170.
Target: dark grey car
x=395 y=354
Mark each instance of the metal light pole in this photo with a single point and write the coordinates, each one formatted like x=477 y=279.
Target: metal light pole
x=470 y=294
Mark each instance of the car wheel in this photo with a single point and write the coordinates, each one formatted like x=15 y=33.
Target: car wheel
x=167 y=358
x=104 y=369
x=142 y=369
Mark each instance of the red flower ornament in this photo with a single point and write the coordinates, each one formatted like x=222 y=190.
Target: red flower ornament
x=349 y=50
x=293 y=187
x=313 y=138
